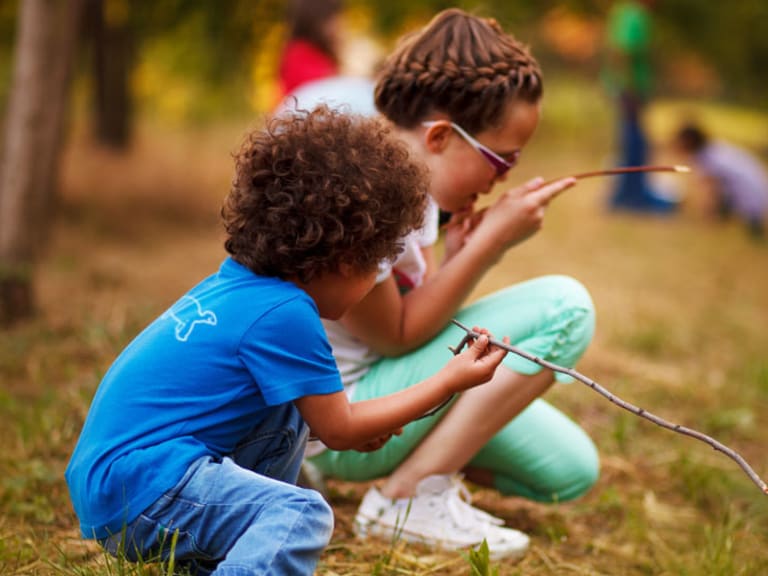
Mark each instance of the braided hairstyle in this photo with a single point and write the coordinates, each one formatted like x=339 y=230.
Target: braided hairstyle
x=461 y=65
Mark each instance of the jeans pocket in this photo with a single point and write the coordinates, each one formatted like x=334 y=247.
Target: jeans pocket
x=138 y=540
x=265 y=453
x=275 y=447
x=149 y=540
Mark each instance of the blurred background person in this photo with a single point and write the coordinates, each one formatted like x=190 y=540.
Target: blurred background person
x=628 y=76
x=313 y=68
x=313 y=46
x=736 y=179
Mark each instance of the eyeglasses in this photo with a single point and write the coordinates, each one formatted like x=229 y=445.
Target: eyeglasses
x=501 y=165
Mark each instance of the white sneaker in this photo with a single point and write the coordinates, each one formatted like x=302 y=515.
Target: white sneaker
x=438 y=515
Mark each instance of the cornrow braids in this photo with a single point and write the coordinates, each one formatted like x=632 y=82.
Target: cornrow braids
x=459 y=64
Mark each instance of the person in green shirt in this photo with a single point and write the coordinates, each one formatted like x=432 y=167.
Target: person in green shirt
x=628 y=76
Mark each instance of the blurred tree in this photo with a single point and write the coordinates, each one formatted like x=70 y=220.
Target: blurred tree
x=110 y=38
x=201 y=59
x=729 y=36
x=47 y=34
x=196 y=59
x=7 y=38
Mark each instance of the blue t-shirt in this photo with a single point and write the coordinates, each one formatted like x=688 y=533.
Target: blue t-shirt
x=195 y=382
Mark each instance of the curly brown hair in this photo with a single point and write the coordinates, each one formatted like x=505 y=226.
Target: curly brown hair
x=461 y=65
x=319 y=188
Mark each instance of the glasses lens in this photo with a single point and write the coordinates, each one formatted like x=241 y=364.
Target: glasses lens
x=499 y=164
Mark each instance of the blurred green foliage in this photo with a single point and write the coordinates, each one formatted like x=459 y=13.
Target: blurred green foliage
x=7 y=38
x=729 y=35
x=201 y=58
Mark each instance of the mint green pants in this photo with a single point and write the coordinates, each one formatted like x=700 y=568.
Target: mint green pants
x=541 y=454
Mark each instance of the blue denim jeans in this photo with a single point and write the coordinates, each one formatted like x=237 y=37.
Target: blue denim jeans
x=633 y=191
x=239 y=515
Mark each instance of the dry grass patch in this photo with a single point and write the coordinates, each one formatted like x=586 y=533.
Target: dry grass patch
x=681 y=332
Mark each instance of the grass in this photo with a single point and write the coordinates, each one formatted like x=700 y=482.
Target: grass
x=681 y=332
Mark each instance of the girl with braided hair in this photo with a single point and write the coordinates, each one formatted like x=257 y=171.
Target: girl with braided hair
x=465 y=97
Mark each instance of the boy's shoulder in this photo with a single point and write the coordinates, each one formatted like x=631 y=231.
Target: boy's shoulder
x=231 y=301
x=233 y=276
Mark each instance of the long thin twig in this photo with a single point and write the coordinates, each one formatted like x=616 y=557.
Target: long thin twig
x=471 y=334
x=625 y=170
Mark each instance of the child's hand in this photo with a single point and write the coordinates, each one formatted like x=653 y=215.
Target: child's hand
x=519 y=212
x=459 y=229
x=377 y=443
x=476 y=364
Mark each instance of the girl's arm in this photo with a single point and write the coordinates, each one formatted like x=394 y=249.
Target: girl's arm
x=343 y=426
x=392 y=324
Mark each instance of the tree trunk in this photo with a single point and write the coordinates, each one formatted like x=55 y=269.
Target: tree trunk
x=111 y=45
x=37 y=108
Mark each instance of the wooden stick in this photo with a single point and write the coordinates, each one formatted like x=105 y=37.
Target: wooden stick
x=471 y=334
x=625 y=170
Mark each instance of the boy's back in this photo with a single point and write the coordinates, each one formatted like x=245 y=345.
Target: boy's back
x=185 y=388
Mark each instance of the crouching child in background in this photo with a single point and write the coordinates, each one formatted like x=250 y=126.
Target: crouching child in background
x=194 y=439
x=736 y=179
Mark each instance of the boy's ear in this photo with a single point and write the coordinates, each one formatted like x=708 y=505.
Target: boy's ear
x=436 y=137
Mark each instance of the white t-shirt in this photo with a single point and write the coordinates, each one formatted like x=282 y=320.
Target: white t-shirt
x=353 y=357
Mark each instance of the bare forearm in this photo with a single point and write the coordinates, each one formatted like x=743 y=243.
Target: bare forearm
x=428 y=308
x=342 y=425
x=393 y=324
x=346 y=426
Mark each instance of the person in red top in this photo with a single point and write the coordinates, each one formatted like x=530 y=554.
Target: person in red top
x=311 y=52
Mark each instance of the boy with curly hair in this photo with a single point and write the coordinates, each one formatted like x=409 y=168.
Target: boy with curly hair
x=194 y=439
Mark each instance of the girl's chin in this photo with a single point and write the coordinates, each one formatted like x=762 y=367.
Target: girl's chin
x=469 y=207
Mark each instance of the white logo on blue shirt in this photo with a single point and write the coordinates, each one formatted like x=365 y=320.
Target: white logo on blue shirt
x=185 y=326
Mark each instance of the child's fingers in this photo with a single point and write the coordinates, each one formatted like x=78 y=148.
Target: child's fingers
x=377 y=443
x=487 y=347
x=480 y=344
x=458 y=219
x=483 y=347
x=497 y=353
x=545 y=194
x=533 y=183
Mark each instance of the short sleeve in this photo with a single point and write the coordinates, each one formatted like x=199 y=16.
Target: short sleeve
x=427 y=235
x=288 y=354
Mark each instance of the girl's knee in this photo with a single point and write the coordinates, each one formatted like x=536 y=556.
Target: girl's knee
x=572 y=294
x=578 y=471
x=564 y=465
x=571 y=319
x=572 y=479
x=582 y=476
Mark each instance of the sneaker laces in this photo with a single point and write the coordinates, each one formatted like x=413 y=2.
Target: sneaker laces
x=458 y=501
